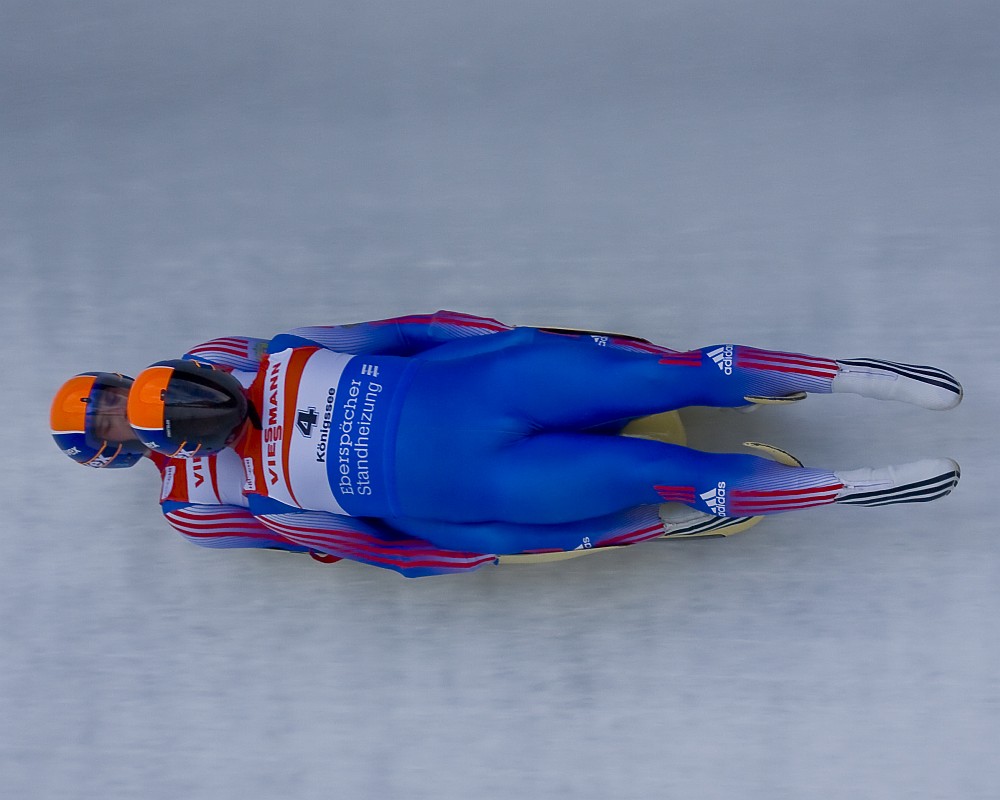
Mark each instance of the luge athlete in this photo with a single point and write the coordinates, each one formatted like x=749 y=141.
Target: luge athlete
x=202 y=496
x=500 y=443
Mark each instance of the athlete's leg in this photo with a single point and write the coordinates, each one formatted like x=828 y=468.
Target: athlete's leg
x=463 y=469
x=579 y=381
x=586 y=380
x=475 y=440
x=559 y=381
x=557 y=477
x=543 y=478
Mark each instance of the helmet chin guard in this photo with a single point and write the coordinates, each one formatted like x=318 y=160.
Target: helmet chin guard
x=183 y=408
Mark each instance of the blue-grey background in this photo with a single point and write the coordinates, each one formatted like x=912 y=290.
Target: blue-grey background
x=816 y=176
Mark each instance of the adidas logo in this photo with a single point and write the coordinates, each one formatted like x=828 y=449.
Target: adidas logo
x=715 y=499
x=723 y=358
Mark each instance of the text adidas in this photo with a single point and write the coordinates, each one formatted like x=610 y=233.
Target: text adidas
x=715 y=499
x=723 y=358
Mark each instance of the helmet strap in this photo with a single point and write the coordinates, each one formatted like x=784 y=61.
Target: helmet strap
x=253 y=416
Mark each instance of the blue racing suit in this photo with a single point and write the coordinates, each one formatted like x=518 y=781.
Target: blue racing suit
x=464 y=435
x=430 y=444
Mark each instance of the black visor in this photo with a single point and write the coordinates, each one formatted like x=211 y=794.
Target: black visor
x=203 y=408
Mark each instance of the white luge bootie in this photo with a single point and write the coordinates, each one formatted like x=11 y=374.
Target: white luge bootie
x=927 y=387
x=917 y=482
x=682 y=522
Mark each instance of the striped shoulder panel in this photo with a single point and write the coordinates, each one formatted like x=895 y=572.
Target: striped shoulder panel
x=224 y=526
x=235 y=352
x=459 y=325
x=352 y=539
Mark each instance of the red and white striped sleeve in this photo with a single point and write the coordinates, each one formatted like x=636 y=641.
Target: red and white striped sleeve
x=225 y=526
x=235 y=352
x=371 y=543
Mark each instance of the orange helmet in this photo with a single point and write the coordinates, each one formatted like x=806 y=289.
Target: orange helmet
x=89 y=422
x=184 y=408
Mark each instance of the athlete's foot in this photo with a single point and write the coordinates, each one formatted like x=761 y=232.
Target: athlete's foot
x=683 y=522
x=927 y=387
x=918 y=482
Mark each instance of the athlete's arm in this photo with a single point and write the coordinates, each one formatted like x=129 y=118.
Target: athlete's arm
x=371 y=542
x=508 y=538
x=401 y=336
x=406 y=335
x=223 y=526
x=233 y=352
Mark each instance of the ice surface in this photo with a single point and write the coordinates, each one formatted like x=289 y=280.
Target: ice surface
x=815 y=177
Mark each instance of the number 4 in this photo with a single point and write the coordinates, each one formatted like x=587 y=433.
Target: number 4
x=305 y=421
